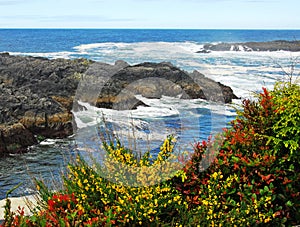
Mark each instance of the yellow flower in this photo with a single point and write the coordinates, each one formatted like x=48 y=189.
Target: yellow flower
x=215 y=175
x=212 y=223
x=205 y=202
x=104 y=201
x=80 y=207
x=121 y=201
x=79 y=183
x=267 y=220
x=268 y=198
x=176 y=198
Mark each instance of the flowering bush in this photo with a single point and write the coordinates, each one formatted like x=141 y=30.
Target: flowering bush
x=252 y=181
x=123 y=203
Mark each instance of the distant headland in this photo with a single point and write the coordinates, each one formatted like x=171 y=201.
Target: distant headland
x=277 y=45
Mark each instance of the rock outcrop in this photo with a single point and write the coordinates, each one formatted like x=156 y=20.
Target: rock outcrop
x=35 y=99
x=277 y=45
x=37 y=94
x=153 y=80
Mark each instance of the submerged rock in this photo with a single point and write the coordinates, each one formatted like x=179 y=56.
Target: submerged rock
x=37 y=94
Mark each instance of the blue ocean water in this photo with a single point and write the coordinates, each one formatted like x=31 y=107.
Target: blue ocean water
x=55 y=40
x=245 y=72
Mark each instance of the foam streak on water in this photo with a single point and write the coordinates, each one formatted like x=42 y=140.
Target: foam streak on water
x=154 y=117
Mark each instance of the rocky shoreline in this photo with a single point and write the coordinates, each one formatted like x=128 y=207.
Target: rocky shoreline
x=277 y=45
x=37 y=94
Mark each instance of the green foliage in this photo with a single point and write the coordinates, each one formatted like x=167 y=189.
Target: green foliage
x=257 y=168
x=252 y=182
x=286 y=128
x=40 y=138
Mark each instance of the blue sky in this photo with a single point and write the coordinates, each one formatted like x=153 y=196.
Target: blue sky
x=202 y=14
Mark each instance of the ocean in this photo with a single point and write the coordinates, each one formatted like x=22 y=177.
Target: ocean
x=245 y=72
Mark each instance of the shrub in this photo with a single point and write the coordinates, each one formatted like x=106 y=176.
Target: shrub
x=253 y=181
x=121 y=203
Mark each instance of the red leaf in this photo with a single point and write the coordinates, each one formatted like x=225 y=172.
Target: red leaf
x=286 y=181
x=235 y=166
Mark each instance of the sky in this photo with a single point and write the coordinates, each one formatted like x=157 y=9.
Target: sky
x=184 y=14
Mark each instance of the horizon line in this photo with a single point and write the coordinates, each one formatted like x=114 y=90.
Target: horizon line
x=150 y=28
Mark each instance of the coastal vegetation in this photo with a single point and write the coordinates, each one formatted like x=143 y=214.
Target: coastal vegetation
x=253 y=181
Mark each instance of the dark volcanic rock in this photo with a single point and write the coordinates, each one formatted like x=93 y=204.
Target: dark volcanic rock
x=203 y=51
x=37 y=94
x=277 y=45
x=151 y=80
x=36 y=98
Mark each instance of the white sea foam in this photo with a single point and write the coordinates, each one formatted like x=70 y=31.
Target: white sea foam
x=93 y=46
x=189 y=47
x=241 y=48
x=51 y=55
x=48 y=142
x=187 y=120
x=150 y=123
x=127 y=123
